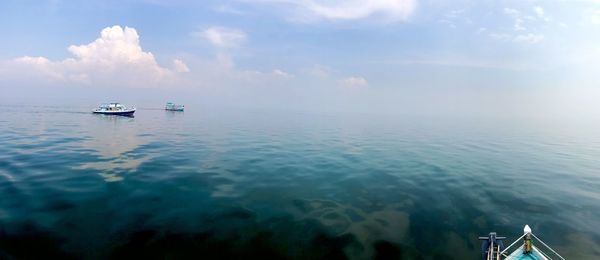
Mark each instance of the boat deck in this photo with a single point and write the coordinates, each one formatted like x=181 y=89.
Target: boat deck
x=520 y=255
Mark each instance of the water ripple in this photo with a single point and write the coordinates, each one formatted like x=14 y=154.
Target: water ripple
x=305 y=186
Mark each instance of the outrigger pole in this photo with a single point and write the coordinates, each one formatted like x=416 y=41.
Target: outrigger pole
x=491 y=246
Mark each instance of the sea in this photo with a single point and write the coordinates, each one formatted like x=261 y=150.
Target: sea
x=226 y=183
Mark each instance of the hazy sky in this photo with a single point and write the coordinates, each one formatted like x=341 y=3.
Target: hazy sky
x=478 y=57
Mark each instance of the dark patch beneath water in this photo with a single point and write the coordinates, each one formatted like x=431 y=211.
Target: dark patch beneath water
x=221 y=238
x=387 y=250
x=30 y=242
x=149 y=244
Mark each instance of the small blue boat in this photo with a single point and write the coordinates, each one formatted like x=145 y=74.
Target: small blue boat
x=492 y=248
x=114 y=109
x=173 y=107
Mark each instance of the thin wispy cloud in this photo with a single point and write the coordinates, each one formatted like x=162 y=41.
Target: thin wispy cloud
x=318 y=70
x=222 y=37
x=282 y=74
x=511 y=11
x=355 y=82
x=521 y=33
x=529 y=38
x=180 y=66
x=595 y=17
x=392 y=10
x=539 y=11
x=227 y=9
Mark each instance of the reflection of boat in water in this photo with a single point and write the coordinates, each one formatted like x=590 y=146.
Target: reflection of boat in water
x=173 y=107
x=114 y=109
x=492 y=248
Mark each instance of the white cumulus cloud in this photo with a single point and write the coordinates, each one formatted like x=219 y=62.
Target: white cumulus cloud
x=115 y=45
x=116 y=58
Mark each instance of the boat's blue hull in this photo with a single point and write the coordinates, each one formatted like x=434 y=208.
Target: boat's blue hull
x=520 y=255
x=116 y=113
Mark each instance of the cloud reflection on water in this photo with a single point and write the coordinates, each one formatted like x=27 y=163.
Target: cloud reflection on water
x=115 y=140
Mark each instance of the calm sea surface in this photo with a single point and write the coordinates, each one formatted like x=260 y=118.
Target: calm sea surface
x=239 y=184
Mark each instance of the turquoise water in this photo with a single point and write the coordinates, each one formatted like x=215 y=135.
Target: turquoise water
x=240 y=184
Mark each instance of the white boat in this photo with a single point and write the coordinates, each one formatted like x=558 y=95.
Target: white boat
x=493 y=248
x=114 y=109
x=173 y=107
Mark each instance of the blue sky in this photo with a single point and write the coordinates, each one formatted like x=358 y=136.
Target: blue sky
x=377 y=56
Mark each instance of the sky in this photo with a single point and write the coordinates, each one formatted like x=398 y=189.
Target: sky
x=415 y=57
